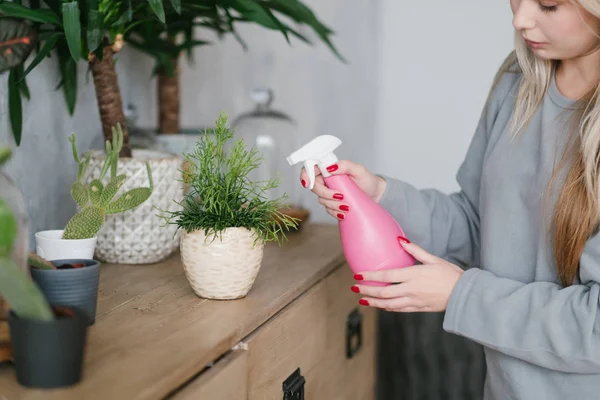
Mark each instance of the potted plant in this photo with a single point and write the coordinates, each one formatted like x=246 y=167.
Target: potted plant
x=72 y=283
x=93 y=32
x=225 y=217
x=166 y=42
x=48 y=343
x=95 y=198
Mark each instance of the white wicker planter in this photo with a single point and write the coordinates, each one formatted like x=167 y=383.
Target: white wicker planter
x=222 y=267
x=139 y=236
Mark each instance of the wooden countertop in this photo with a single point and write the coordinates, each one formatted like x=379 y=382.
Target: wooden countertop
x=152 y=333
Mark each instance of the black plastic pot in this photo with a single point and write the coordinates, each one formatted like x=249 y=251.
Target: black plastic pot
x=76 y=288
x=49 y=354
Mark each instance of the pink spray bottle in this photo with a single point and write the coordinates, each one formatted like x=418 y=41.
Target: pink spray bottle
x=369 y=234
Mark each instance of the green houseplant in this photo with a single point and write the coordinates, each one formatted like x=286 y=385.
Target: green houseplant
x=78 y=30
x=166 y=42
x=225 y=217
x=95 y=198
x=47 y=342
x=92 y=31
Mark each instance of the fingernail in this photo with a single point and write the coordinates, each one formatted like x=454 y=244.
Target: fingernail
x=338 y=196
x=403 y=239
x=344 y=208
x=358 y=277
x=363 y=302
x=332 y=168
x=341 y=216
x=303 y=183
x=355 y=289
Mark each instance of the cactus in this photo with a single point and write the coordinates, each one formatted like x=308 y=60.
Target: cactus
x=96 y=200
x=39 y=262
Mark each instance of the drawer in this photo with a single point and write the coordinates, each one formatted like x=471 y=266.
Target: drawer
x=226 y=380
x=339 y=376
x=294 y=338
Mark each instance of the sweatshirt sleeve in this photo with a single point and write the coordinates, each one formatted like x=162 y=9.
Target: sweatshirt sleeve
x=447 y=225
x=542 y=323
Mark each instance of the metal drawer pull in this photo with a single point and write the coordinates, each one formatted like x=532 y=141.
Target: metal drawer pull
x=293 y=386
x=353 y=333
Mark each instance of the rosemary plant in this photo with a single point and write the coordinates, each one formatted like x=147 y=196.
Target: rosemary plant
x=221 y=195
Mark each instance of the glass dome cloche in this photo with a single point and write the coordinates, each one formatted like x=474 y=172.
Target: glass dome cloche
x=275 y=135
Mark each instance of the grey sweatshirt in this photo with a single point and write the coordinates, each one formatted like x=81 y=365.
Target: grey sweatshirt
x=541 y=341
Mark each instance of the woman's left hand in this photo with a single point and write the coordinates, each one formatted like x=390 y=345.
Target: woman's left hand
x=419 y=288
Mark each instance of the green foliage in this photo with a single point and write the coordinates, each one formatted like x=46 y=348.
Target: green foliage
x=96 y=200
x=221 y=16
x=75 y=30
x=22 y=295
x=221 y=195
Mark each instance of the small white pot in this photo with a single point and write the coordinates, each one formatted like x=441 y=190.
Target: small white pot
x=51 y=246
x=222 y=267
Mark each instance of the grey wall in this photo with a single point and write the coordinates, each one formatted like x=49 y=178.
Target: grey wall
x=310 y=84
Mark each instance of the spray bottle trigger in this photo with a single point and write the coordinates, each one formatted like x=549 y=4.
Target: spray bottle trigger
x=309 y=166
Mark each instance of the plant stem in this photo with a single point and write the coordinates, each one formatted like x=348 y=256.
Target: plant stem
x=168 y=99
x=108 y=95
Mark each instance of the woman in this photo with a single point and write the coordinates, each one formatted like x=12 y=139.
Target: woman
x=526 y=216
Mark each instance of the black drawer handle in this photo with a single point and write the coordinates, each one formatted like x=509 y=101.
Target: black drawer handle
x=293 y=386
x=353 y=333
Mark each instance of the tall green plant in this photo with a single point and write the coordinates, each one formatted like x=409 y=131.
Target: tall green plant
x=76 y=30
x=221 y=195
x=17 y=40
x=165 y=43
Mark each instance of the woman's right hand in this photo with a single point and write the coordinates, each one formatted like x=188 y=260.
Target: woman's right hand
x=373 y=185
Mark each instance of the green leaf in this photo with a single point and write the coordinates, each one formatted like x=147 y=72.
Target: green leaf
x=17 y=40
x=302 y=14
x=68 y=69
x=72 y=26
x=8 y=233
x=23 y=296
x=157 y=7
x=15 y=106
x=176 y=5
x=48 y=46
x=95 y=30
x=23 y=88
x=95 y=191
x=254 y=11
x=43 y=16
x=80 y=194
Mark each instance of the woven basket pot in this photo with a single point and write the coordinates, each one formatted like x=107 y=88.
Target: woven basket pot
x=139 y=236
x=222 y=267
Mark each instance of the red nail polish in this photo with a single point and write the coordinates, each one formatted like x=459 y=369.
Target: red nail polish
x=403 y=239
x=332 y=168
x=338 y=196
x=303 y=183
x=344 y=208
x=358 y=277
x=363 y=302
x=341 y=216
x=355 y=289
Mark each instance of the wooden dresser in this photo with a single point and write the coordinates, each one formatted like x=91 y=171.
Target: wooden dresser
x=299 y=329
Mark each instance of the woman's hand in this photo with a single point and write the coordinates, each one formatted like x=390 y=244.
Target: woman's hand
x=419 y=288
x=373 y=185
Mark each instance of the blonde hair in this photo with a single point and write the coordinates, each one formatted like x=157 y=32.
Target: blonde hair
x=577 y=210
